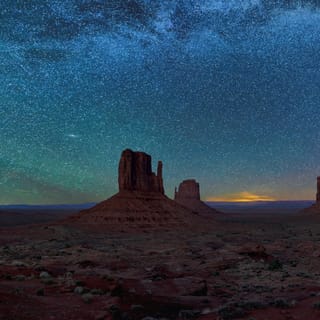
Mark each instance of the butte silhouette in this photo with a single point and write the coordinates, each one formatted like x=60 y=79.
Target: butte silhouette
x=188 y=195
x=141 y=201
x=315 y=208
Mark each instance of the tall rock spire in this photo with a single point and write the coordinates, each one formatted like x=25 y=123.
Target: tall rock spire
x=315 y=208
x=159 y=176
x=318 y=190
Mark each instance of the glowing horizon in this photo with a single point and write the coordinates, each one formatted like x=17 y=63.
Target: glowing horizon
x=243 y=196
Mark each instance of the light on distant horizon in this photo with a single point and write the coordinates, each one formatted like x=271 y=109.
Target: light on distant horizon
x=244 y=196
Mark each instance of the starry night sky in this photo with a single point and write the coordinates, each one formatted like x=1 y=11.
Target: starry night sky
x=224 y=91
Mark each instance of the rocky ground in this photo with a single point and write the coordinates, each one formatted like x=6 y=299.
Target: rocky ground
x=246 y=267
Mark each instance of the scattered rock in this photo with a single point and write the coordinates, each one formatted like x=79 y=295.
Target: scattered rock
x=44 y=275
x=115 y=312
x=188 y=314
x=48 y=281
x=137 y=308
x=254 y=251
x=102 y=316
x=282 y=303
x=97 y=292
x=230 y=311
x=17 y=263
x=20 y=277
x=87 y=297
x=79 y=290
x=80 y=283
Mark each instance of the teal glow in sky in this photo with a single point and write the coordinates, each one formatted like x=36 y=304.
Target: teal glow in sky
x=227 y=92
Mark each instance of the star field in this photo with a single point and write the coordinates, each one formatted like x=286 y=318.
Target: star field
x=227 y=92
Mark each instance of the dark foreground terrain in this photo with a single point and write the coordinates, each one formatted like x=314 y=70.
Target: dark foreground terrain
x=255 y=265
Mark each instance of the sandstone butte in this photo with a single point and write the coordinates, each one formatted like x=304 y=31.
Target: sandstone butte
x=315 y=208
x=188 y=195
x=141 y=201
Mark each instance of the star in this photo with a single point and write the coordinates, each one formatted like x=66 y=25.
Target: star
x=226 y=92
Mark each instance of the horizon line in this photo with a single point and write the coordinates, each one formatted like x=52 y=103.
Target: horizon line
x=94 y=202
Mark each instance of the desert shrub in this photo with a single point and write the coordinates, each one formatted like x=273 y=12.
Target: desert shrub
x=252 y=305
x=281 y=303
x=230 y=312
x=275 y=265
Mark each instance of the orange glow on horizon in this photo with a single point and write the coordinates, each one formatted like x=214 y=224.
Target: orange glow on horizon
x=244 y=196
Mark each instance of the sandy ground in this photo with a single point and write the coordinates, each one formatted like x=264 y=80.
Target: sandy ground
x=249 y=266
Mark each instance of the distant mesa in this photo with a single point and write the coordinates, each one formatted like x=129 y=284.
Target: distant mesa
x=315 y=208
x=188 y=189
x=188 y=195
x=140 y=202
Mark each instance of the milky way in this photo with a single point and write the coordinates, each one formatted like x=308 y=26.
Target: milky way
x=227 y=92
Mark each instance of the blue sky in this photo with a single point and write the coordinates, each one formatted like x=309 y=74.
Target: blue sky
x=227 y=92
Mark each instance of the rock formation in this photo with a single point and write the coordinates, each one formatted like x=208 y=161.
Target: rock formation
x=188 y=195
x=140 y=202
x=188 y=189
x=315 y=208
x=318 y=191
x=135 y=173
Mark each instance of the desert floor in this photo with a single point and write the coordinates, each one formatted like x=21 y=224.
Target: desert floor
x=247 y=266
